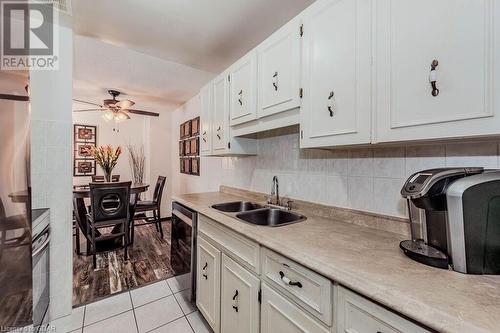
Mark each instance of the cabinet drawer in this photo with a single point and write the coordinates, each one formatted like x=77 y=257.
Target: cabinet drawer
x=309 y=289
x=280 y=315
x=238 y=247
x=356 y=314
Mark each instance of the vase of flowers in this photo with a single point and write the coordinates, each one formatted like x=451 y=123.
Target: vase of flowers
x=106 y=157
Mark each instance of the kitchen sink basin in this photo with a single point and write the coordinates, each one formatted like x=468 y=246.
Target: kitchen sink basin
x=271 y=217
x=237 y=206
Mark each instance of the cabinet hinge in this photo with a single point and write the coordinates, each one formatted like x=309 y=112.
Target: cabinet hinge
x=301 y=134
x=301 y=30
x=229 y=145
x=259 y=296
x=301 y=92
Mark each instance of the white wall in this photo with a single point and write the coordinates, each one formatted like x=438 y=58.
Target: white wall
x=210 y=167
x=51 y=173
x=135 y=131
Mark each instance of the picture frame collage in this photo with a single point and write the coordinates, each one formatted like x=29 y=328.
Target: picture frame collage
x=189 y=147
x=84 y=138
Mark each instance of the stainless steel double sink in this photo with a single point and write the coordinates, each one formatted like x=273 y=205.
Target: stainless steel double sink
x=257 y=214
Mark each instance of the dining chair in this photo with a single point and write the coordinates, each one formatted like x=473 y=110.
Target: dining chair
x=100 y=179
x=116 y=217
x=154 y=206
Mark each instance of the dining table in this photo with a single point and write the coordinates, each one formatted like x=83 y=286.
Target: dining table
x=81 y=192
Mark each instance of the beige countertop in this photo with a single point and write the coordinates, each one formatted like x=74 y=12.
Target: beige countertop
x=369 y=262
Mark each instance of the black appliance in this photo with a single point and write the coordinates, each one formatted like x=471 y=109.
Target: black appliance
x=183 y=243
x=425 y=192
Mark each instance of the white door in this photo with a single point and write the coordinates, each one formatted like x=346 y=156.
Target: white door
x=279 y=70
x=208 y=282
x=243 y=87
x=336 y=53
x=456 y=37
x=220 y=112
x=280 y=315
x=239 y=299
x=206 y=119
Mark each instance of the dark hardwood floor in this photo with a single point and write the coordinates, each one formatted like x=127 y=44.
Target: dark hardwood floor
x=149 y=261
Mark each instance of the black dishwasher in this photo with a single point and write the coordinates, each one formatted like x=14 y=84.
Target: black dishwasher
x=183 y=243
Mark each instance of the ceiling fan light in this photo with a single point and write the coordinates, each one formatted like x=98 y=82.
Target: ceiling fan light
x=120 y=116
x=108 y=115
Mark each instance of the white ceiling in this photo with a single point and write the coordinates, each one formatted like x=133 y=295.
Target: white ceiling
x=152 y=83
x=160 y=52
x=204 y=34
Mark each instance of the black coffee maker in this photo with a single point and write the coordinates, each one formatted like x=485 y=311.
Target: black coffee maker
x=425 y=192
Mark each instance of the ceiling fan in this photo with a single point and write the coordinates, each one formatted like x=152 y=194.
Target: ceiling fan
x=113 y=109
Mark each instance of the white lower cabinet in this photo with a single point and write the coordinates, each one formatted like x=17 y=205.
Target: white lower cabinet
x=356 y=314
x=280 y=315
x=208 y=282
x=239 y=298
x=292 y=297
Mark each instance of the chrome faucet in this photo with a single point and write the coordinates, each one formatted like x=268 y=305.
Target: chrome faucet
x=275 y=190
x=278 y=203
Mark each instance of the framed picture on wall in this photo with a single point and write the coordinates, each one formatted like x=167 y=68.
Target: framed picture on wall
x=185 y=130
x=187 y=147
x=84 y=138
x=195 y=126
x=194 y=145
x=84 y=168
x=195 y=166
x=181 y=148
x=181 y=167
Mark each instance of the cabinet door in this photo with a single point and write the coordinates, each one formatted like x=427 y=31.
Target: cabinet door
x=206 y=119
x=280 y=315
x=208 y=282
x=220 y=119
x=336 y=106
x=239 y=299
x=243 y=87
x=460 y=38
x=279 y=70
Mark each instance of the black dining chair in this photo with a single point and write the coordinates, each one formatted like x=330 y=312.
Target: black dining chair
x=102 y=216
x=153 y=206
x=100 y=179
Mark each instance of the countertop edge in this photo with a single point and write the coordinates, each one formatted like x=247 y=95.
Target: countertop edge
x=366 y=288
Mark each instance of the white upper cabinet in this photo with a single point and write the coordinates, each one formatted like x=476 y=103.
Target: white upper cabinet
x=451 y=42
x=243 y=89
x=336 y=73
x=220 y=126
x=279 y=70
x=206 y=119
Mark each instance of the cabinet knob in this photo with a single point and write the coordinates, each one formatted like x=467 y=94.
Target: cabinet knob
x=331 y=103
x=275 y=81
x=433 y=77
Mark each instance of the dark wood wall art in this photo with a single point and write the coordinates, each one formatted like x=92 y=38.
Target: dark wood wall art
x=84 y=138
x=189 y=147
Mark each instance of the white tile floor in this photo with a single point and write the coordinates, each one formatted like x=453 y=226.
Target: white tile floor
x=162 y=307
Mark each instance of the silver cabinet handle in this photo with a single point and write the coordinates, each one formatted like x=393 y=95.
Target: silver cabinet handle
x=275 y=81
x=433 y=77
x=288 y=281
x=331 y=103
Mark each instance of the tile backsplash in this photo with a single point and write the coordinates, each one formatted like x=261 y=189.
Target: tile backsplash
x=367 y=179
